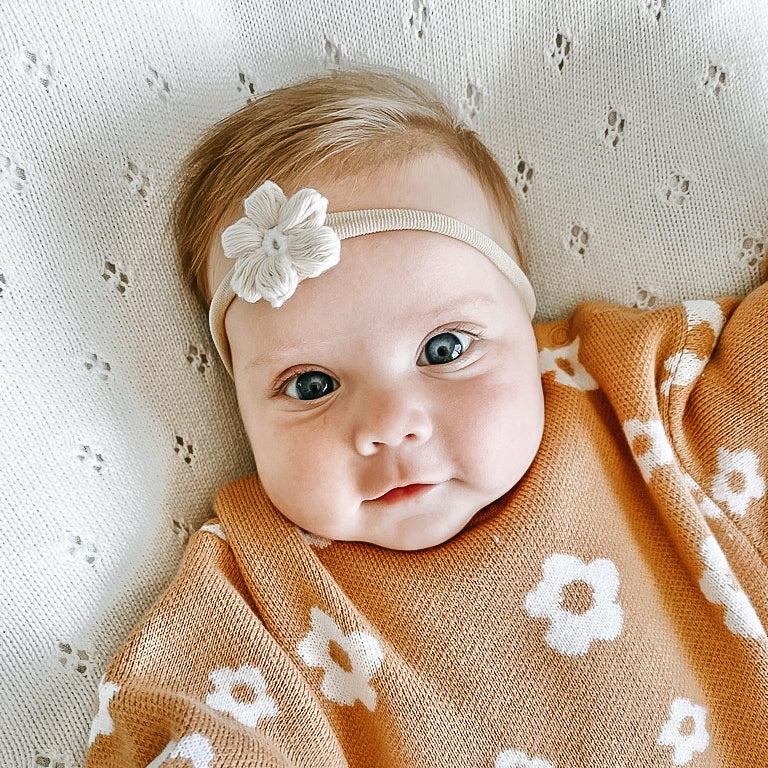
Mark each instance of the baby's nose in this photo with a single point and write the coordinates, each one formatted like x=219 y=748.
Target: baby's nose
x=390 y=420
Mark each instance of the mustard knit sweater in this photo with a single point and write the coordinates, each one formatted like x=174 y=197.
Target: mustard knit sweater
x=610 y=610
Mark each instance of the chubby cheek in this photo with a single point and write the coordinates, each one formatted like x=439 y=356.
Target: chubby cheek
x=497 y=432
x=303 y=475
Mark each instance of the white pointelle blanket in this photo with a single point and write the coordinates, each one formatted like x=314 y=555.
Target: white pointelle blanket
x=635 y=132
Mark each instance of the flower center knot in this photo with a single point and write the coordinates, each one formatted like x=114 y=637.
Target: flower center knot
x=275 y=243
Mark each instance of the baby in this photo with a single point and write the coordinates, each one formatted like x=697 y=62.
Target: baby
x=427 y=570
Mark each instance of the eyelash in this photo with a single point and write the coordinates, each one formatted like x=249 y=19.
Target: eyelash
x=278 y=388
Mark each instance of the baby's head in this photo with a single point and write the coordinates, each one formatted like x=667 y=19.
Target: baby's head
x=395 y=393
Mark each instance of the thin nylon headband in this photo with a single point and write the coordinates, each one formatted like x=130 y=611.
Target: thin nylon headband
x=356 y=223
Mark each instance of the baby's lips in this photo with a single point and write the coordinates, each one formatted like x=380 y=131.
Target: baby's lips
x=406 y=490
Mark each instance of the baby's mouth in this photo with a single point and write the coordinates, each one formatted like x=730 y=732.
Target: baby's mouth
x=403 y=492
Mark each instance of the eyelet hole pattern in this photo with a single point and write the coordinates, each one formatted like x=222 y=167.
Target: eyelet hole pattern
x=35 y=66
x=333 y=55
x=752 y=251
x=138 y=179
x=75 y=660
x=91 y=458
x=646 y=298
x=97 y=367
x=523 y=176
x=418 y=18
x=714 y=81
x=654 y=8
x=80 y=549
x=470 y=107
x=183 y=449
x=577 y=241
x=199 y=358
x=675 y=190
x=246 y=85
x=559 y=53
x=12 y=175
x=114 y=274
x=613 y=128
x=158 y=85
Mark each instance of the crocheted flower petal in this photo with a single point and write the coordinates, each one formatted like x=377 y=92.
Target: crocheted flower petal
x=264 y=204
x=241 y=239
x=277 y=281
x=264 y=278
x=306 y=208
x=314 y=250
x=245 y=281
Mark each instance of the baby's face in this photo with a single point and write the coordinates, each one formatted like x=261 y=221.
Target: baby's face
x=395 y=395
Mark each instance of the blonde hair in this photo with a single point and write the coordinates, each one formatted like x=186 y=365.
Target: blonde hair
x=334 y=123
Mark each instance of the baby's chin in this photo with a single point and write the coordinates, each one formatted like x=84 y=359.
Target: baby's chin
x=412 y=533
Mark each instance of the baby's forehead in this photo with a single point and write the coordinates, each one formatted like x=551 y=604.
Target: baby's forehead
x=391 y=279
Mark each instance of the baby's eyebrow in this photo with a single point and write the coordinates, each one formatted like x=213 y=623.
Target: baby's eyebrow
x=275 y=355
x=280 y=354
x=457 y=304
x=283 y=354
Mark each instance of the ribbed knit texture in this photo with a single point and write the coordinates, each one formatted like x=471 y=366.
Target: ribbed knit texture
x=609 y=610
x=634 y=132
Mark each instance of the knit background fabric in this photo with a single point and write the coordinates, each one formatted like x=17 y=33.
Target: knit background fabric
x=633 y=130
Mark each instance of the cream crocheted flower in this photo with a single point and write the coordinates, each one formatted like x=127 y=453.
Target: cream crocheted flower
x=278 y=243
x=514 y=758
x=649 y=444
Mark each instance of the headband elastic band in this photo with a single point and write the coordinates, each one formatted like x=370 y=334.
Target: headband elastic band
x=348 y=224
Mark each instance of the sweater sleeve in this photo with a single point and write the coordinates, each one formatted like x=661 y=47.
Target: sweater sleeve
x=721 y=430
x=689 y=386
x=716 y=387
x=202 y=679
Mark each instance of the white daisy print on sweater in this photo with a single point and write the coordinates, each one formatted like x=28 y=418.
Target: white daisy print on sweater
x=685 y=730
x=242 y=693
x=564 y=362
x=195 y=748
x=720 y=587
x=704 y=311
x=738 y=480
x=215 y=529
x=514 y=758
x=102 y=724
x=579 y=599
x=706 y=506
x=685 y=367
x=649 y=445
x=348 y=661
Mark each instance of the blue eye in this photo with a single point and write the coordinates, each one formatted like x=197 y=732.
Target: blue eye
x=444 y=348
x=311 y=385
